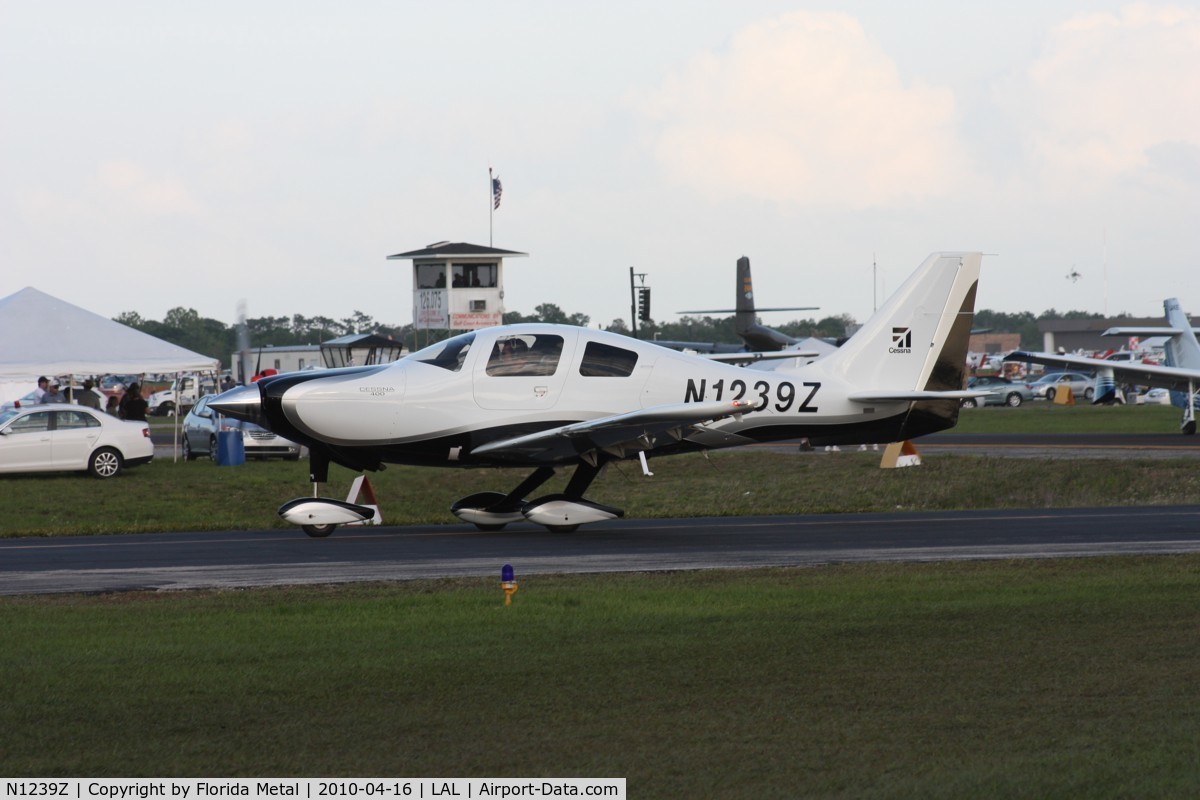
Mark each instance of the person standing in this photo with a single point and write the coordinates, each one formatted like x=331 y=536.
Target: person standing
x=40 y=391
x=90 y=397
x=53 y=395
x=133 y=405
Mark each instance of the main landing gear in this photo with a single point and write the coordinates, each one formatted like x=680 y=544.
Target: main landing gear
x=488 y=511
x=561 y=513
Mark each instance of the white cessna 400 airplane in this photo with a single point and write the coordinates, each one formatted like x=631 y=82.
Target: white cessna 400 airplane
x=546 y=396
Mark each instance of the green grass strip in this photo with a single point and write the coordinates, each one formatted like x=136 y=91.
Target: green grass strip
x=202 y=496
x=1069 y=678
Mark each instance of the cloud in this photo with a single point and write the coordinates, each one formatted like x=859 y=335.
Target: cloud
x=129 y=185
x=806 y=109
x=1113 y=93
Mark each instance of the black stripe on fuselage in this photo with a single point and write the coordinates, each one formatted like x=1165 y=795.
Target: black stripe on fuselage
x=455 y=450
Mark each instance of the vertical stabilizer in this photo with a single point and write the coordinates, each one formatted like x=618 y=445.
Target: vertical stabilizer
x=745 y=319
x=1182 y=349
x=918 y=340
x=744 y=306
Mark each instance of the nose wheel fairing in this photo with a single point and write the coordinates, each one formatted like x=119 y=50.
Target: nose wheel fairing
x=323 y=514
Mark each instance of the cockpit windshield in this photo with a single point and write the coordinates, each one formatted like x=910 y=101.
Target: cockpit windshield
x=447 y=354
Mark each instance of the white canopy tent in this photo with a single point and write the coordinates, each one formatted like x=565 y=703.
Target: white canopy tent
x=43 y=335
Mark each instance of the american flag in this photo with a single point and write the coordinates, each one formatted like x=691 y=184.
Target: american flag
x=496 y=192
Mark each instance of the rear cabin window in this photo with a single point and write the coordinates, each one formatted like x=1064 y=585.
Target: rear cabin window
x=606 y=361
x=525 y=354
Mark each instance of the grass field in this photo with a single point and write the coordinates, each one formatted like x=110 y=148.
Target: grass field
x=186 y=496
x=1075 y=678
x=1044 y=417
x=199 y=495
x=1061 y=678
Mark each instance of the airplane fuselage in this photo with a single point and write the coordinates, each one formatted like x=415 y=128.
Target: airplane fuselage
x=437 y=406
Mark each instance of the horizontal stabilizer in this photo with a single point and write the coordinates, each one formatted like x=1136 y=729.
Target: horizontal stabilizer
x=901 y=397
x=747 y=358
x=756 y=310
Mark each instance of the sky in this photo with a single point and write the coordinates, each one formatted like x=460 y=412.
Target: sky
x=160 y=155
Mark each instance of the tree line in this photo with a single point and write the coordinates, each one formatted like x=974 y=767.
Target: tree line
x=186 y=328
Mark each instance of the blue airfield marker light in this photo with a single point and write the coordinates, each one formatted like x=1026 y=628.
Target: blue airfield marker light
x=507 y=583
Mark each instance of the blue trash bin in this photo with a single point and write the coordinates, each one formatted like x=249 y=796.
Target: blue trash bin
x=231 y=452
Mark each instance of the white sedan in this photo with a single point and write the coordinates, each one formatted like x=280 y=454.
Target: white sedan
x=57 y=438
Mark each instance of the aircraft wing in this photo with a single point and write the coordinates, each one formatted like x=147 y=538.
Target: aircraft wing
x=1178 y=379
x=1144 y=332
x=617 y=435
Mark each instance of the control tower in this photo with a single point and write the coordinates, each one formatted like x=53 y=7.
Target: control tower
x=457 y=286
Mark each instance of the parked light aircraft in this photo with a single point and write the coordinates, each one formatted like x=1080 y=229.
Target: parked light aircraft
x=745 y=321
x=545 y=396
x=1181 y=373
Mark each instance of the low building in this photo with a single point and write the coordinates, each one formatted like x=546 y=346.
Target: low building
x=1086 y=334
x=285 y=358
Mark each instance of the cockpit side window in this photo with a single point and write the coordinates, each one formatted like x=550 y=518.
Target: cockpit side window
x=449 y=354
x=525 y=354
x=606 y=361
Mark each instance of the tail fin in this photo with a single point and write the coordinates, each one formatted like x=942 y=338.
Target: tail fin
x=915 y=347
x=918 y=340
x=1182 y=349
x=745 y=319
x=744 y=297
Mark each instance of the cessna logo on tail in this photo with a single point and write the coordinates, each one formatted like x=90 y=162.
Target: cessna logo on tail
x=901 y=340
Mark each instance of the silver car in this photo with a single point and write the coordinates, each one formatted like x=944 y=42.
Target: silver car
x=199 y=436
x=1001 y=392
x=1052 y=383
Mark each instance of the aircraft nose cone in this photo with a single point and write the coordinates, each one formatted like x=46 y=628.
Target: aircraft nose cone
x=242 y=402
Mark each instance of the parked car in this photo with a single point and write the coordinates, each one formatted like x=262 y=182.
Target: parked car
x=30 y=399
x=199 y=435
x=1052 y=383
x=1001 y=392
x=163 y=403
x=115 y=384
x=58 y=438
x=1156 y=397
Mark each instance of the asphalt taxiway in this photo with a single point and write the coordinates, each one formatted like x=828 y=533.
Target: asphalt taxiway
x=231 y=559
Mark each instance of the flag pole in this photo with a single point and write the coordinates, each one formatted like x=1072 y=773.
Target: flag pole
x=491 y=204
